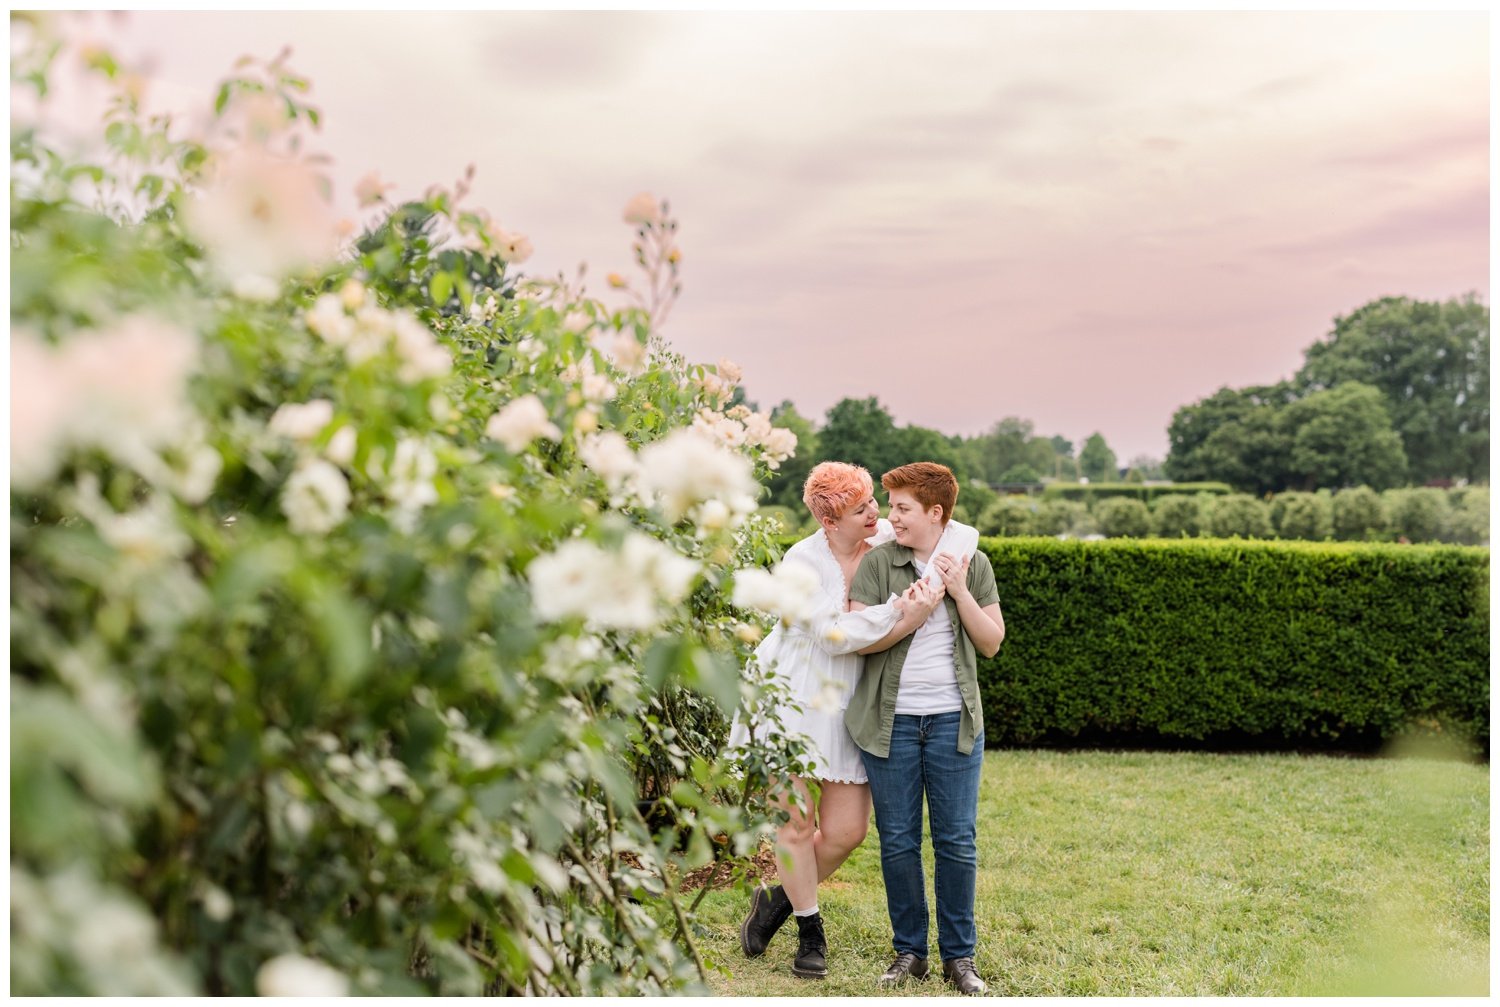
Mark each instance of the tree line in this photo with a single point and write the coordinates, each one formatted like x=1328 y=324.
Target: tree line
x=1396 y=394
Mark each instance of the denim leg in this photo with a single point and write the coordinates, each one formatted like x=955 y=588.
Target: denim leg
x=952 y=784
x=896 y=791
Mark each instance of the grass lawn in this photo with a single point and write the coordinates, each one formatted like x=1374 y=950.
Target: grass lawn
x=1166 y=874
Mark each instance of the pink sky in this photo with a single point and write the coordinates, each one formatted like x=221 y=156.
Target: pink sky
x=1087 y=220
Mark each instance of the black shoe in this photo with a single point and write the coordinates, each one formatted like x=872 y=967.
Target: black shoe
x=962 y=973
x=906 y=966
x=769 y=908
x=812 y=948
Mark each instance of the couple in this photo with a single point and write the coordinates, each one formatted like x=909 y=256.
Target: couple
x=905 y=607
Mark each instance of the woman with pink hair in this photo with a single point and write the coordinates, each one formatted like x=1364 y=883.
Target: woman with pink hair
x=818 y=662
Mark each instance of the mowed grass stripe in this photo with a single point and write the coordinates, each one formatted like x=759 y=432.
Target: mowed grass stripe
x=1164 y=874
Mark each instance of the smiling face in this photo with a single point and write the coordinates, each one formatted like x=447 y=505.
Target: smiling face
x=856 y=524
x=916 y=528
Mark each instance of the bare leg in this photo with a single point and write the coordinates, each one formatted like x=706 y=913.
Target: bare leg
x=796 y=852
x=843 y=820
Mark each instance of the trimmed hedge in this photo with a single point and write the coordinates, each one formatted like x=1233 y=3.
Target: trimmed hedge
x=1089 y=492
x=1279 y=643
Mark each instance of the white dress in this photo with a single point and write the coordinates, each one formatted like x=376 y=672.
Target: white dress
x=817 y=659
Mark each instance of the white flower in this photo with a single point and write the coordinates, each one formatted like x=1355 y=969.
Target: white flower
x=370 y=190
x=598 y=388
x=194 y=481
x=628 y=589
x=410 y=486
x=251 y=287
x=512 y=248
x=779 y=445
x=643 y=208
x=483 y=311
x=522 y=421
x=122 y=390
x=720 y=428
x=665 y=569
x=629 y=353
x=757 y=428
x=262 y=215
x=341 y=446
x=40 y=404
x=328 y=320
x=686 y=468
x=301 y=422
x=217 y=905
x=747 y=633
x=292 y=975
x=787 y=592
x=714 y=515
x=422 y=355
x=352 y=294
x=730 y=371
x=608 y=454
x=316 y=498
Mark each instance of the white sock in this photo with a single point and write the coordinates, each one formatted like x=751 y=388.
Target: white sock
x=806 y=912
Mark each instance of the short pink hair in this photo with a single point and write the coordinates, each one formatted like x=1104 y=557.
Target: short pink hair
x=833 y=487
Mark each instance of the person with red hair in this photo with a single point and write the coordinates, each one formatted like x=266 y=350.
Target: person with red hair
x=915 y=715
x=816 y=659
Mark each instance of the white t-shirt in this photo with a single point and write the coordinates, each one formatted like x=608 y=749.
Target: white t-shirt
x=929 y=679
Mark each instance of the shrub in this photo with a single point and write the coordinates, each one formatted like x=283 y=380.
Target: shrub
x=1090 y=492
x=1358 y=514
x=1417 y=515
x=1178 y=517
x=1306 y=516
x=1009 y=516
x=1063 y=517
x=1018 y=474
x=1468 y=520
x=1121 y=517
x=357 y=600
x=1289 y=643
x=1241 y=515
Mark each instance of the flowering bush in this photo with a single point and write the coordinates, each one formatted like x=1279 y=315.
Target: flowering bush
x=359 y=584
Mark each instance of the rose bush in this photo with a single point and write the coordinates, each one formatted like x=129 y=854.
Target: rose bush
x=362 y=587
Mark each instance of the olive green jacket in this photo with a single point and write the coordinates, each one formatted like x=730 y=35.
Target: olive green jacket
x=888 y=569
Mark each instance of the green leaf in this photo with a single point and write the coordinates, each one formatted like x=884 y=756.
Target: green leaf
x=440 y=287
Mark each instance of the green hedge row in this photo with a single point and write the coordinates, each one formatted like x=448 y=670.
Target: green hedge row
x=1280 y=643
x=1089 y=492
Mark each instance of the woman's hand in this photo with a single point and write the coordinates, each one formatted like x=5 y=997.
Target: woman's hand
x=922 y=598
x=955 y=574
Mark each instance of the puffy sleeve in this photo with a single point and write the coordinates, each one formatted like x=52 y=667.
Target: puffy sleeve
x=835 y=631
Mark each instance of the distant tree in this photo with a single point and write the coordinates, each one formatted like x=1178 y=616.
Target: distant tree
x=1342 y=437
x=785 y=485
x=1148 y=467
x=861 y=432
x=1431 y=361
x=1135 y=475
x=1020 y=474
x=1061 y=446
x=923 y=444
x=1097 y=461
x=1066 y=468
x=1468 y=516
x=1232 y=436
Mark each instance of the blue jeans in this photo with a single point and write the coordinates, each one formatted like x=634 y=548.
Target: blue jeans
x=925 y=760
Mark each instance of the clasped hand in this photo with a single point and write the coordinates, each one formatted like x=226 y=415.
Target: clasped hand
x=920 y=599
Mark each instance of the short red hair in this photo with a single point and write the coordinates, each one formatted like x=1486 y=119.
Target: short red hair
x=932 y=484
x=833 y=487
